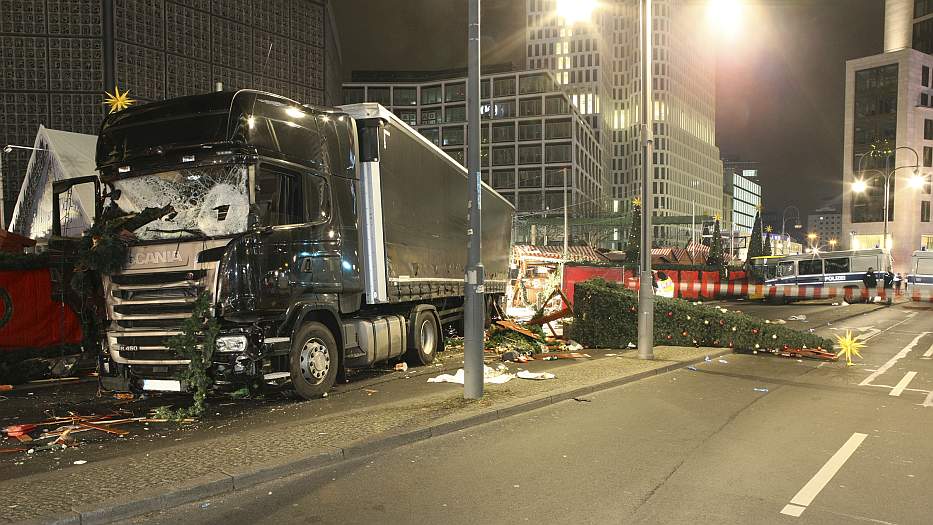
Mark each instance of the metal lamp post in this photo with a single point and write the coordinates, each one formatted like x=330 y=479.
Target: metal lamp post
x=784 y=218
x=645 y=290
x=887 y=174
x=474 y=301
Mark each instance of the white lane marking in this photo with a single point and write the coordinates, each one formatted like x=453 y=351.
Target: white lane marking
x=808 y=493
x=929 y=353
x=900 y=355
x=928 y=402
x=793 y=510
x=902 y=384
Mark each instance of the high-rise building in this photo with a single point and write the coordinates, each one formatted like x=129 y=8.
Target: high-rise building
x=532 y=135
x=826 y=223
x=745 y=192
x=889 y=135
x=59 y=56
x=597 y=62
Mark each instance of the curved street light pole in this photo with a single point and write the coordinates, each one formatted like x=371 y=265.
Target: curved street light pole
x=887 y=174
x=784 y=218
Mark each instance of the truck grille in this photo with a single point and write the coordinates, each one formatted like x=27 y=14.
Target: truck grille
x=148 y=308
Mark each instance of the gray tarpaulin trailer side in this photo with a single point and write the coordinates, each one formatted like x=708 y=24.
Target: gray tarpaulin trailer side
x=414 y=214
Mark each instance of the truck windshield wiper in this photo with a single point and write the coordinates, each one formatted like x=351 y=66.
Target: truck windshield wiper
x=193 y=231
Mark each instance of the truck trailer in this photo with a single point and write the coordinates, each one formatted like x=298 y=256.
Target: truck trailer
x=325 y=238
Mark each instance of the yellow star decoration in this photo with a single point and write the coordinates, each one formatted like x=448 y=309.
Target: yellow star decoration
x=759 y=207
x=118 y=101
x=769 y=229
x=636 y=202
x=717 y=217
x=849 y=346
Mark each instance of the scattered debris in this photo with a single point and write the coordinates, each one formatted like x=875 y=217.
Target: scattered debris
x=516 y=357
x=80 y=462
x=124 y=396
x=565 y=355
x=691 y=367
x=525 y=374
x=760 y=389
x=490 y=375
x=800 y=317
x=582 y=400
x=401 y=367
x=707 y=359
x=723 y=361
x=369 y=391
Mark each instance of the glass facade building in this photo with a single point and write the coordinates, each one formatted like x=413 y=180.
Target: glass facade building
x=531 y=133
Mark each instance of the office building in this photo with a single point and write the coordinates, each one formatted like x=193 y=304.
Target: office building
x=744 y=199
x=531 y=133
x=598 y=60
x=826 y=223
x=888 y=101
x=59 y=57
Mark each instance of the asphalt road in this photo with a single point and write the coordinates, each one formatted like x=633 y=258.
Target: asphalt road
x=739 y=441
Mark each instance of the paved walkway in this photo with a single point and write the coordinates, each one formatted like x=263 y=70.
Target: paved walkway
x=238 y=452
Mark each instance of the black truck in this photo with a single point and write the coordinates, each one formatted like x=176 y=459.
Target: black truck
x=326 y=239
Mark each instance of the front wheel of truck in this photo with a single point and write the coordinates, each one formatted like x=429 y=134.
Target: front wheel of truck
x=313 y=361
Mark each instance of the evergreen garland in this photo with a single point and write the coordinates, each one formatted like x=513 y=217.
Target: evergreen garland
x=633 y=243
x=605 y=316
x=104 y=248
x=755 y=245
x=196 y=342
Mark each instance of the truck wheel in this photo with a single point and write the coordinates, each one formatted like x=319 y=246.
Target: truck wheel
x=313 y=361
x=425 y=340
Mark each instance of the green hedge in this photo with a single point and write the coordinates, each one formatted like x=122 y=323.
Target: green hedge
x=605 y=317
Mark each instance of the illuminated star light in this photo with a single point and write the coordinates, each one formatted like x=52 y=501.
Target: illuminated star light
x=848 y=346
x=769 y=229
x=118 y=101
x=636 y=202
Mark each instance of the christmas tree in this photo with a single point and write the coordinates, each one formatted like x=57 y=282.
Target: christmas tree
x=767 y=247
x=633 y=243
x=716 y=257
x=755 y=246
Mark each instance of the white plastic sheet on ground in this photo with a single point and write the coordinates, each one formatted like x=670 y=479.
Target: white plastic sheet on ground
x=538 y=376
x=490 y=375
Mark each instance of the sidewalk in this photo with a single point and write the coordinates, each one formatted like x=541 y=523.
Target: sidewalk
x=119 y=487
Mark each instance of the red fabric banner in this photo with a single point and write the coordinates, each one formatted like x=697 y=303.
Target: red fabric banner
x=29 y=317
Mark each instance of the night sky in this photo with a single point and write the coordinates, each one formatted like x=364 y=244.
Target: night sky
x=780 y=83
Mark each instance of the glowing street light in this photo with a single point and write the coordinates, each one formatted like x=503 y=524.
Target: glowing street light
x=576 y=11
x=832 y=243
x=724 y=13
x=917 y=181
x=859 y=186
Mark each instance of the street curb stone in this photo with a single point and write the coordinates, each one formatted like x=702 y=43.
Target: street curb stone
x=235 y=479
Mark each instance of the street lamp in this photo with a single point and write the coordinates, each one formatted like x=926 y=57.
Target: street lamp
x=861 y=185
x=784 y=218
x=575 y=11
x=832 y=244
x=6 y=150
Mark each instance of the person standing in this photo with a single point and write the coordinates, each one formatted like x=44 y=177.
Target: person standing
x=888 y=278
x=897 y=283
x=871 y=284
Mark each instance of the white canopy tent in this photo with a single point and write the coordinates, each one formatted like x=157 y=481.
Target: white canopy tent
x=59 y=155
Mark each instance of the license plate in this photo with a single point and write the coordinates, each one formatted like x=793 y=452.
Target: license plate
x=163 y=385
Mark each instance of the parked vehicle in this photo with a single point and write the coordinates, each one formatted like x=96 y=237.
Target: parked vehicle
x=843 y=269
x=327 y=239
x=920 y=278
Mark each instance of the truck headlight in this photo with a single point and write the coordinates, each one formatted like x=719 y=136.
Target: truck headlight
x=231 y=343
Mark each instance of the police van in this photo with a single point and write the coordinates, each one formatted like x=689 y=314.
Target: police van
x=920 y=278
x=844 y=268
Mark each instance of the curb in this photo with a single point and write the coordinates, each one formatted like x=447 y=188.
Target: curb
x=240 y=478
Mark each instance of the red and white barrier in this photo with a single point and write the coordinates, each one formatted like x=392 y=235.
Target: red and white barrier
x=851 y=293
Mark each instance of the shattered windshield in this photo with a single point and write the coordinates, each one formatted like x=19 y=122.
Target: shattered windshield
x=208 y=201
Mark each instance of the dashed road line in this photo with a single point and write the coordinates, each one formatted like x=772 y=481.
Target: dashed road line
x=808 y=493
x=902 y=384
x=898 y=356
x=928 y=354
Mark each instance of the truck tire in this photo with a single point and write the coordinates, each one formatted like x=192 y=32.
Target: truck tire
x=426 y=339
x=313 y=360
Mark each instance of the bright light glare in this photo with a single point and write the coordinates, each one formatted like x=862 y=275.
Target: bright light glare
x=294 y=112
x=724 y=14
x=859 y=186
x=575 y=11
x=917 y=181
